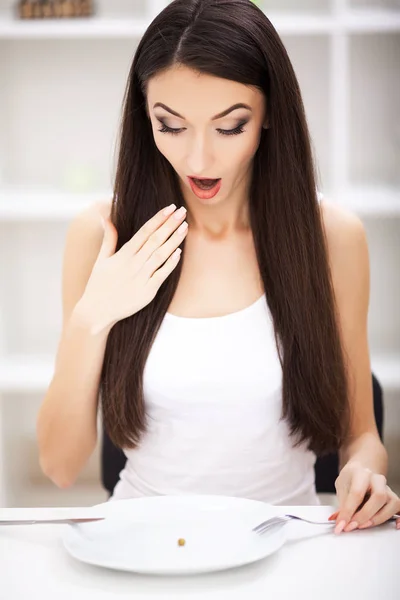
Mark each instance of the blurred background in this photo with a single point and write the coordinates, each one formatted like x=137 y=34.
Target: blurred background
x=61 y=86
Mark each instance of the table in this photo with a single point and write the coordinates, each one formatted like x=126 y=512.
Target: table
x=314 y=564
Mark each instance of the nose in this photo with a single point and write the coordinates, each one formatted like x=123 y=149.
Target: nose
x=199 y=156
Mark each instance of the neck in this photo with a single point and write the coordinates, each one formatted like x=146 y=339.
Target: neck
x=223 y=219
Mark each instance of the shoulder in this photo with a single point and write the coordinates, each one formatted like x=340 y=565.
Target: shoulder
x=345 y=233
x=347 y=252
x=88 y=222
x=82 y=245
x=342 y=226
x=86 y=228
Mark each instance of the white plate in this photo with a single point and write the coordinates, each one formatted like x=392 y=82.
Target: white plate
x=141 y=535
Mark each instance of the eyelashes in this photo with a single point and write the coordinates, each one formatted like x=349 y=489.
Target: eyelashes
x=165 y=129
x=236 y=131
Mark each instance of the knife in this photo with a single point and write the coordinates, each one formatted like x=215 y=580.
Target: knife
x=65 y=521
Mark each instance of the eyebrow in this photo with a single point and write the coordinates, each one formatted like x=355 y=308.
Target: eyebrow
x=219 y=116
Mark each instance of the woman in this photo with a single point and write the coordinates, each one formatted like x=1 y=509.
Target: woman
x=228 y=368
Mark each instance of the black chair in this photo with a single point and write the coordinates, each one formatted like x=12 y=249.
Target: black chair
x=112 y=462
x=326 y=468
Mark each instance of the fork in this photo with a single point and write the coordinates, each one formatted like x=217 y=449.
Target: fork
x=281 y=520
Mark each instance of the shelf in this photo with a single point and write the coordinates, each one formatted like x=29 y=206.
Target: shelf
x=45 y=205
x=36 y=205
x=371 y=201
x=33 y=374
x=293 y=23
x=301 y=23
x=19 y=374
x=374 y=20
x=371 y=20
x=90 y=28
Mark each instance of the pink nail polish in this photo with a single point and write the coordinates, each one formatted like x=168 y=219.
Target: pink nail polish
x=169 y=210
x=340 y=526
x=366 y=525
x=351 y=526
x=182 y=228
x=180 y=213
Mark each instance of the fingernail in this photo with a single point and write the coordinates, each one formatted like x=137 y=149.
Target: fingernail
x=179 y=213
x=340 y=526
x=333 y=516
x=398 y=525
x=367 y=524
x=169 y=210
x=182 y=228
x=351 y=526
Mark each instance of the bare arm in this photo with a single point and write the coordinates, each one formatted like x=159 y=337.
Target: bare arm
x=100 y=288
x=350 y=272
x=66 y=426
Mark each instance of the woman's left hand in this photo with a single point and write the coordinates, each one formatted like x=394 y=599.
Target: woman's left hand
x=354 y=484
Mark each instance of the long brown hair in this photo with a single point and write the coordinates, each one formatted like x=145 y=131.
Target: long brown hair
x=234 y=40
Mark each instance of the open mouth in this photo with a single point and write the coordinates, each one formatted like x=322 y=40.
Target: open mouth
x=205 y=184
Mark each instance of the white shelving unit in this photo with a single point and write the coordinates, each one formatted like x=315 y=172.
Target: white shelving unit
x=370 y=20
x=62 y=85
x=22 y=374
x=41 y=205
x=293 y=23
x=46 y=205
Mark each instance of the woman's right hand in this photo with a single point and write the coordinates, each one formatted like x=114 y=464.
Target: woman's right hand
x=122 y=283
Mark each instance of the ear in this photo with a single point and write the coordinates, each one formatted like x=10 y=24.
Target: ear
x=266 y=124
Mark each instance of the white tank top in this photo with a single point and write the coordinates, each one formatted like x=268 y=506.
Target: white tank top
x=213 y=395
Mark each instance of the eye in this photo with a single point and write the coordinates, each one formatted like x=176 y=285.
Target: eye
x=165 y=129
x=239 y=129
x=236 y=131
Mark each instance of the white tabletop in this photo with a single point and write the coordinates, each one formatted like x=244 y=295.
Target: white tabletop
x=314 y=564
